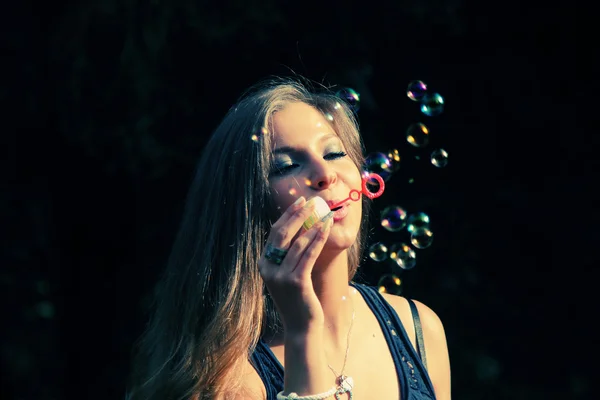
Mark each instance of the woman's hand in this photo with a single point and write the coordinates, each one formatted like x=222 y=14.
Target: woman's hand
x=290 y=283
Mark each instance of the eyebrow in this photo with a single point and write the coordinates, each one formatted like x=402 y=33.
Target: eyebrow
x=288 y=149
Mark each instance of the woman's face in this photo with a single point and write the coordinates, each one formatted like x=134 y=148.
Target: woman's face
x=310 y=160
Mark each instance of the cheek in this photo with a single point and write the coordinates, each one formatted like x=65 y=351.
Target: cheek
x=353 y=178
x=283 y=196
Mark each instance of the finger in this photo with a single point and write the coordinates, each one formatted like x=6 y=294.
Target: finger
x=295 y=206
x=284 y=230
x=308 y=247
x=311 y=254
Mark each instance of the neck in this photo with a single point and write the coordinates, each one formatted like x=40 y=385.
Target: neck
x=330 y=282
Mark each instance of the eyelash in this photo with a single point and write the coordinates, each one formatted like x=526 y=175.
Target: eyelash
x=331 y=156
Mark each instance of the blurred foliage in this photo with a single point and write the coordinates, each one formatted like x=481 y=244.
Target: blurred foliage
x=108 y=106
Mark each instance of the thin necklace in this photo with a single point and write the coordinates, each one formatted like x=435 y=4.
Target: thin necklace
x=345 y=383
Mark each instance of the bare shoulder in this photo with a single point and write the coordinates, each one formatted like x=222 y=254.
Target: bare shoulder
x=253 y=387
x=430 y=322
x=250 y=387
x=434 y=339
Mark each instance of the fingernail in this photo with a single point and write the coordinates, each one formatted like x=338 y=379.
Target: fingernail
x=299 y=200
x=327 y=223
x=310 y=203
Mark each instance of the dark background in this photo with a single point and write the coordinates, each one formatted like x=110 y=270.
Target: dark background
x=107 y=108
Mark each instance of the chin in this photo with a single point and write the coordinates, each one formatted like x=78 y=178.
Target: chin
x=341 y=238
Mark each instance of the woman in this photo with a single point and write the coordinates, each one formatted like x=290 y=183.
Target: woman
x=249 y=293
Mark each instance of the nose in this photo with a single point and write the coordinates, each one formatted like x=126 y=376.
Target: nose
x=322 y=176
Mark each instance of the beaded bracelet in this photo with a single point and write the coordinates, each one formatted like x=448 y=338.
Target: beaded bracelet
x=294 y=395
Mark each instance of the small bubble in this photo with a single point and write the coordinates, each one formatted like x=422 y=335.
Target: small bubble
x=378 y=252
x=393 y=218
x=432 y=104
x=417 y=134
x=42 y=287
x=379 y=164
x=416 y=90
x=421 y=238
x=403 y=255
x=487 y=368
x=394 y=158
x=45 y=309
x=439 y=158
x=416 y=221
x=307 y=182
x=351 y=97
x=329 y=117
x=293 y=191
x=389 y=283
x=256 y=136
x=411 y=180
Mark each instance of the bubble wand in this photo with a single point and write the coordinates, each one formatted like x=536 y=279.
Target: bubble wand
x=354 y=194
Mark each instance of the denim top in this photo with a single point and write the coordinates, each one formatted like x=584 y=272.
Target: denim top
x=412 y=375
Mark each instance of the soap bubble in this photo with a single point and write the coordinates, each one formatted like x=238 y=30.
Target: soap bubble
x=403 y=255
x=394 y=157
x=421 y=238
x=45 y=309
x=416 y=90
x=378 y=252
x=393 y=218
x=432 y=104
x=439 y=158
x=416 y=221
x=389 y=283
x=417 y=134
x=379 y=164
x=258 y=134
x=351 y=97
x=292 y=191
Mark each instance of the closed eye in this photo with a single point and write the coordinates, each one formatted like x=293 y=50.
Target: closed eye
x=333 y=156
x=283 y=169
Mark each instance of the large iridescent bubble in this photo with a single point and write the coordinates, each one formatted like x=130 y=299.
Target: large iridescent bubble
x=417 y=134
x=439 y=158
x=416 y=221
x=351 y=97
x=416 y=90
x=389 y=283
x=432 y=104
x=393 y=218
x=403 y=255
x=378 y=163
x=421 y=238
x=378 y=252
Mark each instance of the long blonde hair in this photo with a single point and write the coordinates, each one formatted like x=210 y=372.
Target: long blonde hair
x=211 y=307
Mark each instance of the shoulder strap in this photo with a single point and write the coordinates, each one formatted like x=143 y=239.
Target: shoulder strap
x=418 y=331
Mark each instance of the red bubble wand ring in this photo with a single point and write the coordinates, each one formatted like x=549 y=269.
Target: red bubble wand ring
x=355 y=194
